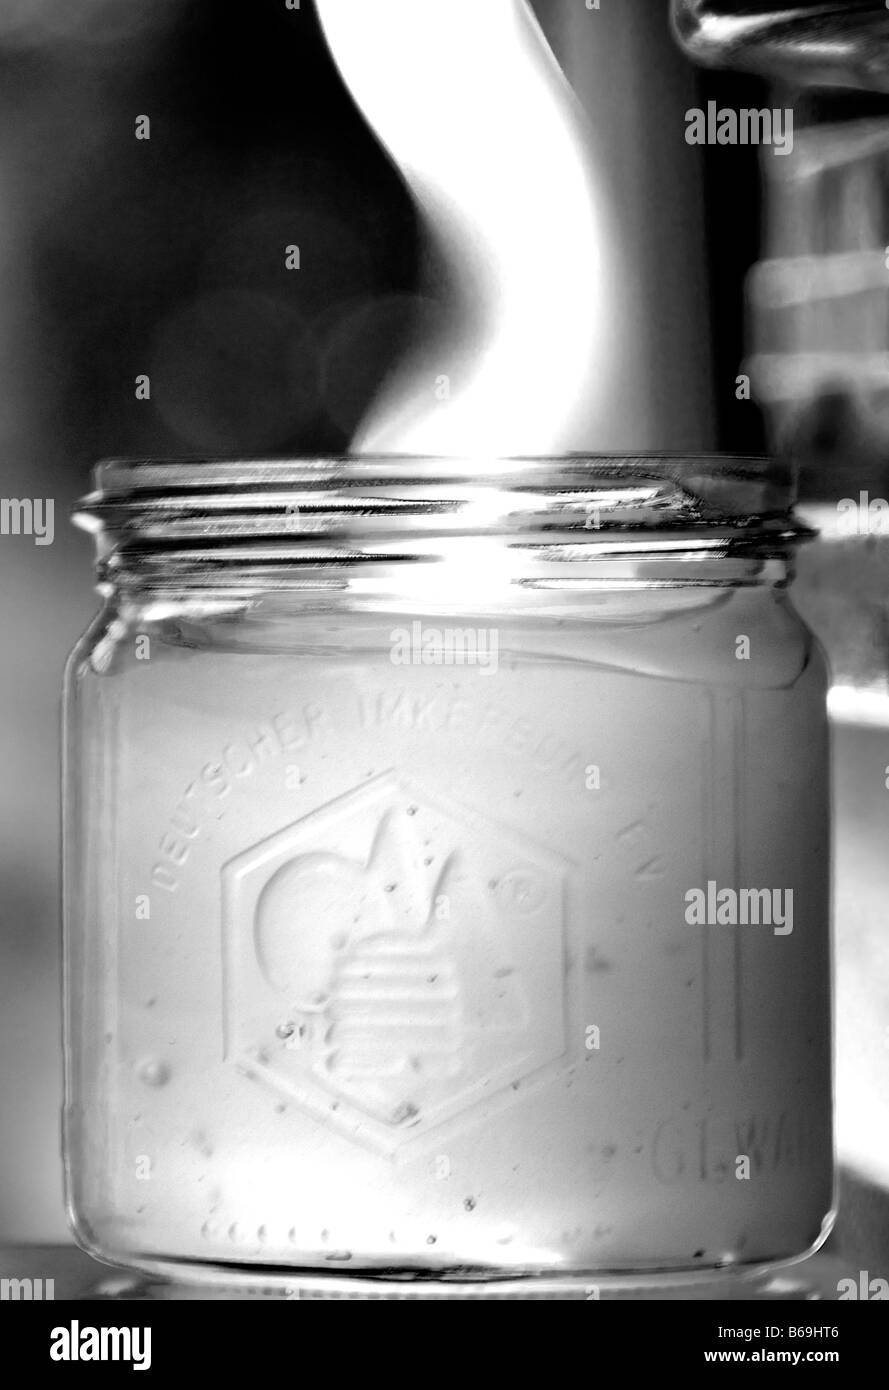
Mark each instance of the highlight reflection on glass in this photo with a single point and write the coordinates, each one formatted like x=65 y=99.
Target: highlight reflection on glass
x=503 y=182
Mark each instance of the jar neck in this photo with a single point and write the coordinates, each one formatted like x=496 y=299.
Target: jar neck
x=447 y=533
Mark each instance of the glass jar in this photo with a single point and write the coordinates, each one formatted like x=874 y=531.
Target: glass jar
x=447 y=869
x=827 y=42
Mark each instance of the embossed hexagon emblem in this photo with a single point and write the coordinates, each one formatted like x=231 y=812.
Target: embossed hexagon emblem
x=393 y=960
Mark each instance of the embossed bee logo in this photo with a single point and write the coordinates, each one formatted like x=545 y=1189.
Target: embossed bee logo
x=380 y=951
x=370 y=969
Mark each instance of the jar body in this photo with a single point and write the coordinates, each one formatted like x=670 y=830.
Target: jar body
x=379 y=960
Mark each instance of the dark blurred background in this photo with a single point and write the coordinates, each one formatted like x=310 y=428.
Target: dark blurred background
x=121 y=257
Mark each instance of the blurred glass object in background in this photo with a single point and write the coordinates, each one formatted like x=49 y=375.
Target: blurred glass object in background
x=819 y=307
x=843 y=44
x=634 y=88
x=819 y=322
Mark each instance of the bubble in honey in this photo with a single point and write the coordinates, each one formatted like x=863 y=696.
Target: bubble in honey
x=202 y=1143
x=153 y=1072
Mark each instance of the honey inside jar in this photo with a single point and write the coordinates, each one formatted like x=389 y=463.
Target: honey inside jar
x=447 y=872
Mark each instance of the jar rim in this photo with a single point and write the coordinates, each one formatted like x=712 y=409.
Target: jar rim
x=172 y=519
x=740 y=476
